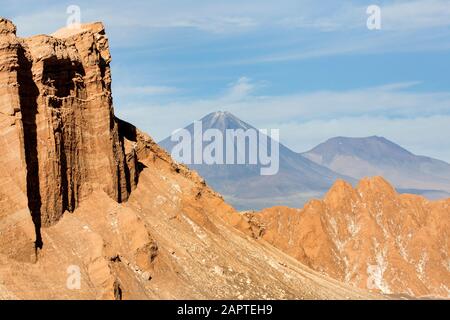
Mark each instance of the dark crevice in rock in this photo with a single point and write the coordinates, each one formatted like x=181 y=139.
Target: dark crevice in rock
x=119 y=186
x=117 y=290
x=133 y=167
x=103 y=67
x=63 y=81
x=116 y=258
x=68 y=196
x=127 y=130
x=28 y=93
x=128 y=176
x=58 y=75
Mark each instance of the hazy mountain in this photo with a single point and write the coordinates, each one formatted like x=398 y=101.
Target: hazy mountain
x=377 y=156
x=297 y=180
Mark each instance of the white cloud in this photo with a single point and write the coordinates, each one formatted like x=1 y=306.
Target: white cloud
x=239 y=90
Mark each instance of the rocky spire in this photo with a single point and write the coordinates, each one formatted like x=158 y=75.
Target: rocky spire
x=59 y=134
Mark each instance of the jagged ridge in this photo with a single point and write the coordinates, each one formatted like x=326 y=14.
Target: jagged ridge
x=368 y=236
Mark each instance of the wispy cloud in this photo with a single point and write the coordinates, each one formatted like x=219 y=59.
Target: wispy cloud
x=331 y=28
x=400 y=15
x=145 y=90
x=146 y=16
x=221 y=16
x=239 y=90
x=418 y=14
x=398 y=86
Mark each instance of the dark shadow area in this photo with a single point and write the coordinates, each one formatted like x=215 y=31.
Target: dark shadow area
x=129 y=132
x=58 y=75
x=63 y=78
x=103 y=66
x=64 y=179
x=60 y=149
x=28 y=93
x=67 y=186
x=117 y=291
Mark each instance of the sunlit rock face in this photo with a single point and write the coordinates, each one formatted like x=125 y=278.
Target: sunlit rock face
x=60 y=139
x=368 y=236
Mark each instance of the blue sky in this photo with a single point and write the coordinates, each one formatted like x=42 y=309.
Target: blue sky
x=310 y=68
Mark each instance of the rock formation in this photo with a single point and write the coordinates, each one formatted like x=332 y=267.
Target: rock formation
x=370 y=237
x=58 y=126
x=92 y=208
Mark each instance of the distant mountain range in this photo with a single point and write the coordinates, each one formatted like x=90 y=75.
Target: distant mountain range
x=303 y=176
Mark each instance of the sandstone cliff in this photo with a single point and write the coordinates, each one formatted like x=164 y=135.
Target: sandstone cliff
x=60 y=139
x=82 y=192
x=368 y=236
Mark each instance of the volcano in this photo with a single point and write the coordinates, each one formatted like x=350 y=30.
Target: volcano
x=242 y=185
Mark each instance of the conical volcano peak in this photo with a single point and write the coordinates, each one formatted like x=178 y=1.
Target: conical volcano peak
x=223 y=120
x=222 y=114
x=217 y=114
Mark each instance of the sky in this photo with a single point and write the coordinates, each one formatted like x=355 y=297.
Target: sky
x=309 y=68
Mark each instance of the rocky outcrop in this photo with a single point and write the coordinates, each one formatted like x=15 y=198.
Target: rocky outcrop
x=368 y=236
x=59 y=134
x=17 y=234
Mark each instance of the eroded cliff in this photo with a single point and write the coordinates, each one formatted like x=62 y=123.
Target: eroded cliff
x=57 y=122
